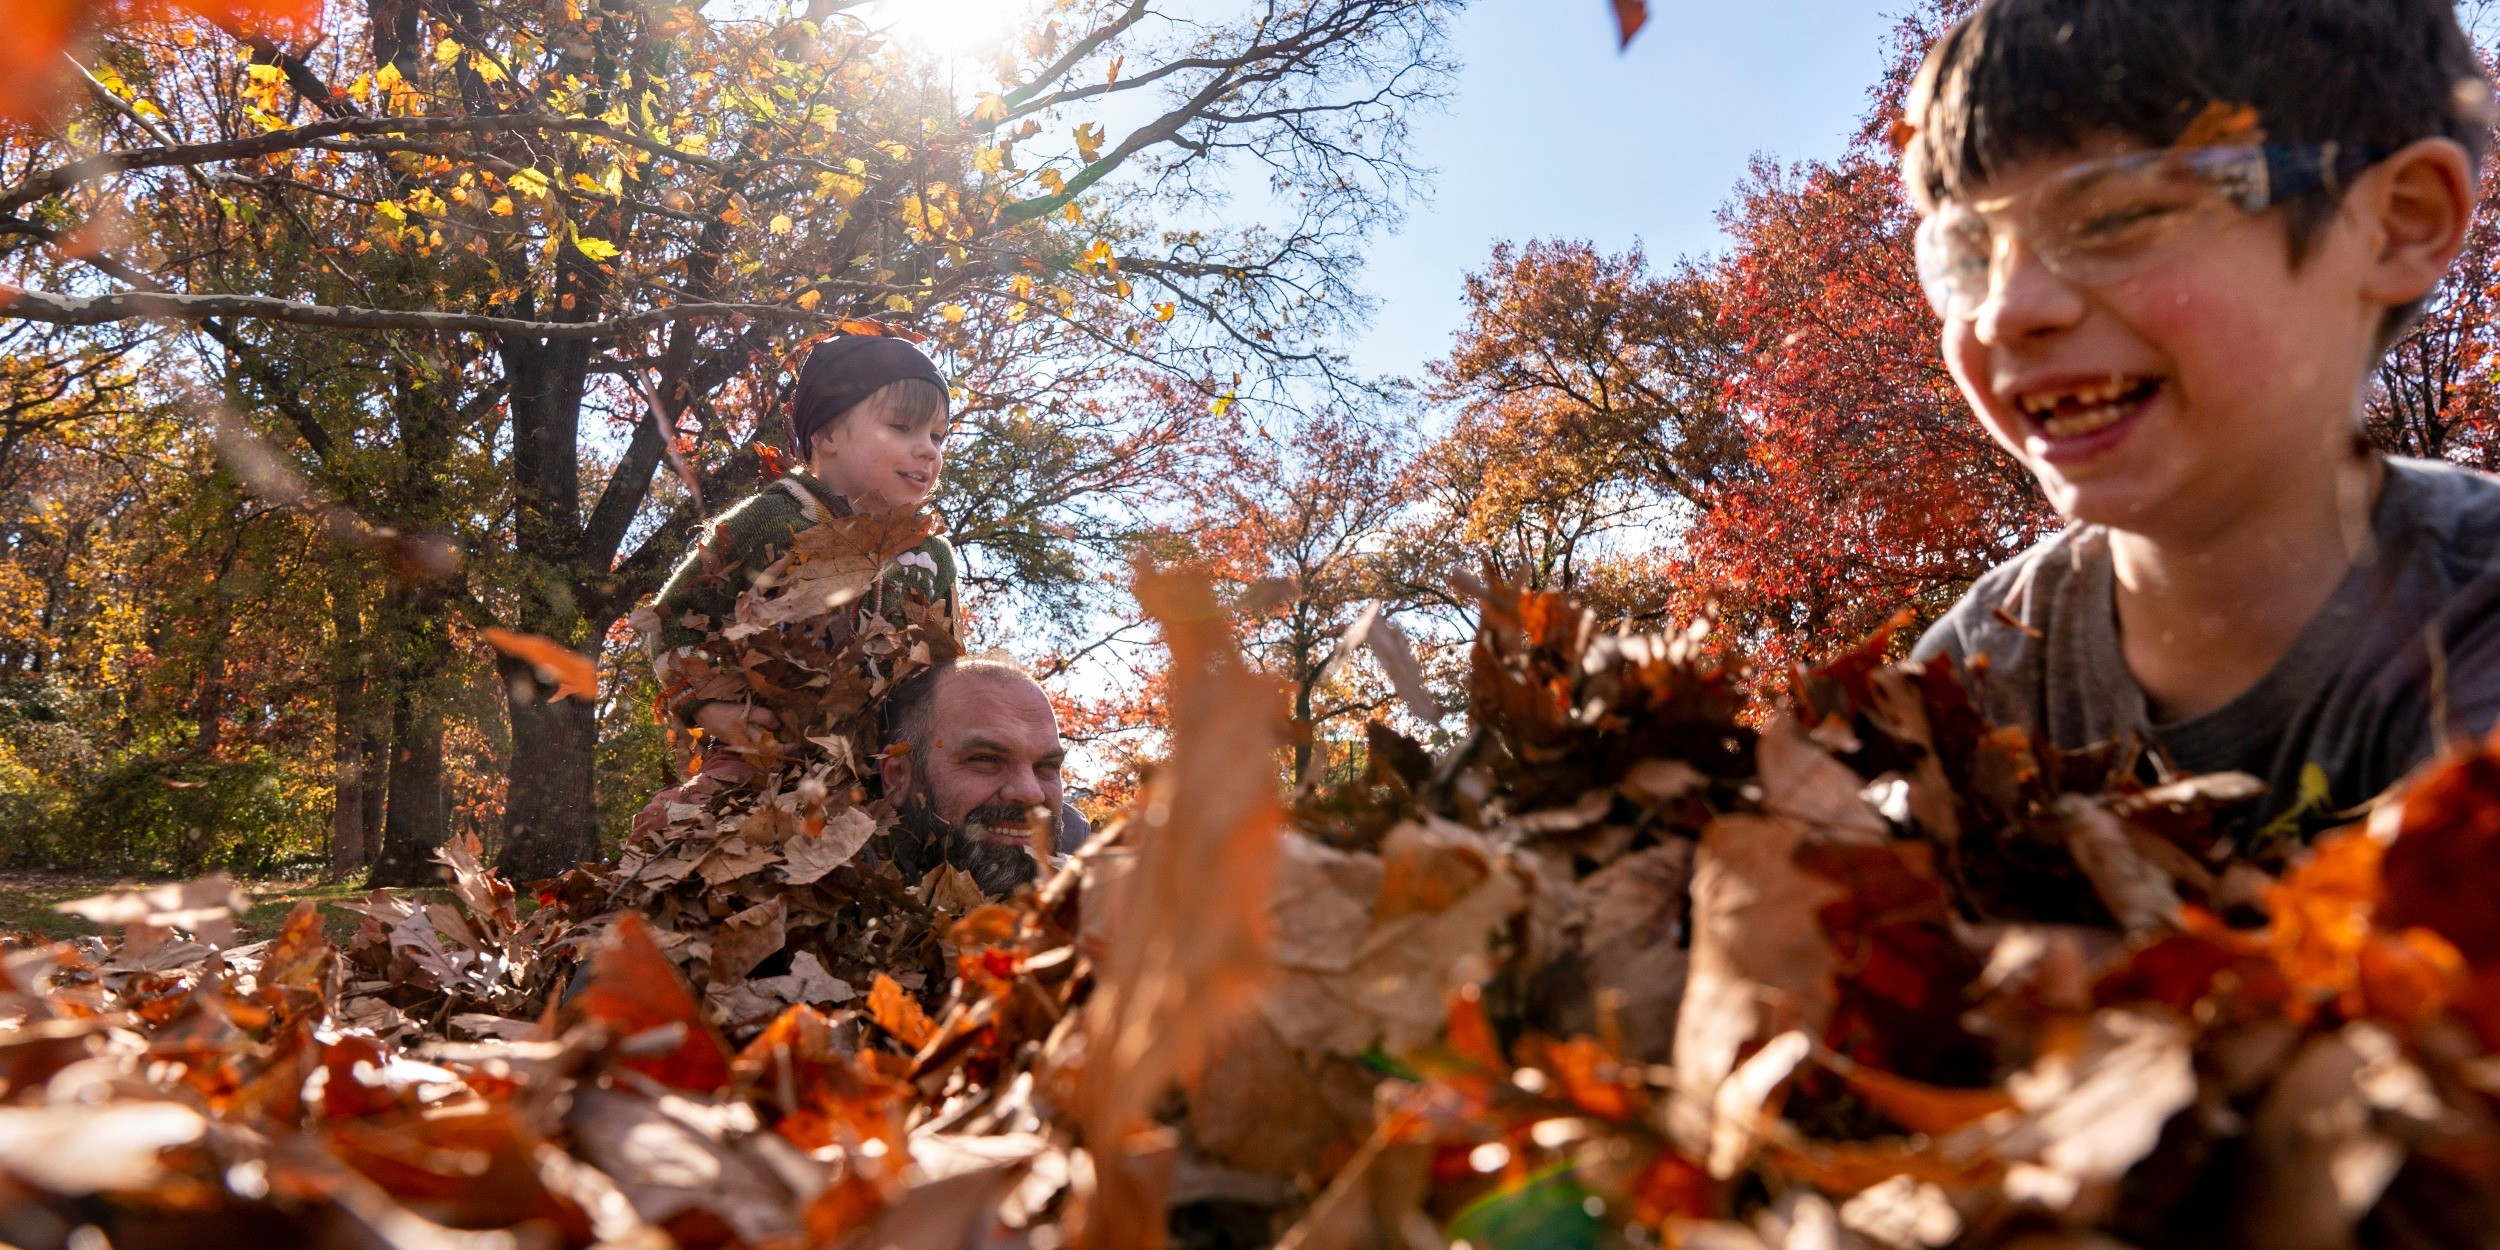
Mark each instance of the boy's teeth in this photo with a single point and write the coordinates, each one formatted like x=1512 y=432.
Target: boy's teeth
x=2084 y=422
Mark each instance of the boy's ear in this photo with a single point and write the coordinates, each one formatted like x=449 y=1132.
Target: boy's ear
x=2423 y=198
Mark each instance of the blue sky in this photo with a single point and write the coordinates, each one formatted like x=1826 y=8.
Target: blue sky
x=1552 y=134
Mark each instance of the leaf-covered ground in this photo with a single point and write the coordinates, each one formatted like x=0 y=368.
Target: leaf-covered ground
x=28 y=898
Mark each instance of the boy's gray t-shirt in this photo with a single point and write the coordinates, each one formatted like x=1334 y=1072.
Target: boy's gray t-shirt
x=2353 y=696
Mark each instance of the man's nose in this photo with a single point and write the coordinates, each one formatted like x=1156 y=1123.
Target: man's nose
x=1023 y=787
x=2026 y=298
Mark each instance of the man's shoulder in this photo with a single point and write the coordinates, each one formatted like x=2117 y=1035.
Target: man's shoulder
x=2446 y=512
x=2012 y=604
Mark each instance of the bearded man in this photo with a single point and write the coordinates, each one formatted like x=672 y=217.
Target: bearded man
x=972 y=769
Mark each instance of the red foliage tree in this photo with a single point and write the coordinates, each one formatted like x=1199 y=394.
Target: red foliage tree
x=1873 y=487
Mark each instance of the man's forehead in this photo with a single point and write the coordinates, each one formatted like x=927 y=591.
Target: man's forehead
x=994 y=703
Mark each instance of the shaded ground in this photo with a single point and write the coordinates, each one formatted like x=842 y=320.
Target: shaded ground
x=27 y=898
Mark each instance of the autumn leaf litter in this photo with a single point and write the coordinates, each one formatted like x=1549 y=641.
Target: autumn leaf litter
x=1626 y=963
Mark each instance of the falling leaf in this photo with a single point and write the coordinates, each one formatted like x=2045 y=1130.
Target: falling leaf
x=1406 y=676
x=573 y=674
x=1193 y=928
x=1630 y=16
x=205 y=907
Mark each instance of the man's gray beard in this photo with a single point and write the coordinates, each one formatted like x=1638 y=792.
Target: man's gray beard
x=923 y=840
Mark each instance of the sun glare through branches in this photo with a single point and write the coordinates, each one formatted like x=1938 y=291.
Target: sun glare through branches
x=950 y=29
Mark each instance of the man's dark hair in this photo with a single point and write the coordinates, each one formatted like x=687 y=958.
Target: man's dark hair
x=907 y=708
x=2019 y=80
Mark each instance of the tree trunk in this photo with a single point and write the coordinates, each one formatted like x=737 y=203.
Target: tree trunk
x=349 y=831
x=550 y=823
x=373 y=738
x=415 y=821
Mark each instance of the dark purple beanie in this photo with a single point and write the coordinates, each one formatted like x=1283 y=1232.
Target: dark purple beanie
x=842 y=373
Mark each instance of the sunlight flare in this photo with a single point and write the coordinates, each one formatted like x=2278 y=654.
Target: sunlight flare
x=951 y=29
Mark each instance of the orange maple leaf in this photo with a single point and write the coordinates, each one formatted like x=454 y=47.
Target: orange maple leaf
x=569 y=671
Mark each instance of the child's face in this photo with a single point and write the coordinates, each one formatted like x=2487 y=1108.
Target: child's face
x=878 y=458
x=2191 y=390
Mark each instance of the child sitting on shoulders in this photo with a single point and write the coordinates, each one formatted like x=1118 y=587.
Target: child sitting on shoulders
x=2170 y=241
x=869 y=422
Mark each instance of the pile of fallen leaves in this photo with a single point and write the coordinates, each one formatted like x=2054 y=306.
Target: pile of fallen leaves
x=1625 y=964
x=751 y=875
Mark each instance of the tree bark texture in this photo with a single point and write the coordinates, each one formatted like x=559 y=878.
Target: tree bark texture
x=550 y=819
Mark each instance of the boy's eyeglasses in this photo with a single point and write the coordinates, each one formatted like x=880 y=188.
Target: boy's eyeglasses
x=2101 y=222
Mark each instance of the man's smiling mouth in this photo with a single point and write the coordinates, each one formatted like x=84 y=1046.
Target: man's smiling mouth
x=2071 y=411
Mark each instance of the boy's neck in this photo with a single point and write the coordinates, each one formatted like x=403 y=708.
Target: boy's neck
x=2204 y=614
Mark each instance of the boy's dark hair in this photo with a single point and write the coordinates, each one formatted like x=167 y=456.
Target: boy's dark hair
x=2022 y=79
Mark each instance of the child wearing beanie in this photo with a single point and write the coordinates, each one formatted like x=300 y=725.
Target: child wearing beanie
x=869 y=423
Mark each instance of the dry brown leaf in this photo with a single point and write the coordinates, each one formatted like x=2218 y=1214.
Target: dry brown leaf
x=1406 y=675
x=733 y=859
x=746 y=939
x=1737 y=1108
x=1322 y=904
x=1760 y=960
x=1258 y=1108
x=810 y=857
x=951 y=891
x=79 y=1150
x=2139 y=894
x=668 y=1166
x=1632 y=942
x=1191 y=948
x=2089 y=1115
x=1394 y=990
x=2323 y=1158
x=1802 y=781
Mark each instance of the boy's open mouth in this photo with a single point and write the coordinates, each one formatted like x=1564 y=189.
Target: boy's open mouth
x=2074 y=411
